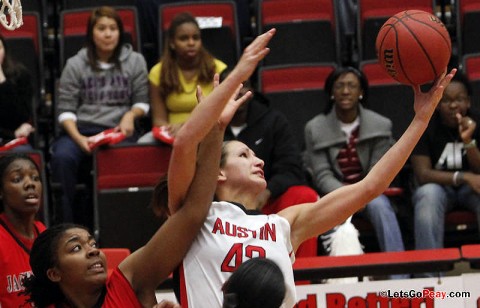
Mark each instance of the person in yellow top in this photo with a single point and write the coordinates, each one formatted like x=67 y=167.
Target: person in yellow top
x=185 y=64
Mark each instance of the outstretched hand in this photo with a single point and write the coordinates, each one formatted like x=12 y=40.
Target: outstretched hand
x=426 y=102
x=254 y=53
x=233 y=103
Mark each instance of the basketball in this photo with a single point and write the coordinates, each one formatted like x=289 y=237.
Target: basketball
x=414 y=47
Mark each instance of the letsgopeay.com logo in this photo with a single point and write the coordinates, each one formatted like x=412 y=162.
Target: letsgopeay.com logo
x=384 y=299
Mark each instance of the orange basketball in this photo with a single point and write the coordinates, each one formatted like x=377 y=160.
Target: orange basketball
x=414 y=47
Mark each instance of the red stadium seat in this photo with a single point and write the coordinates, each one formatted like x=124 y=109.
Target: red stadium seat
x=223 y=42
x=471 y=66
x=372 y=14
x=124 y=178
x=307 y=31
x=297 y=91
x=114 y=256
x=388 y=97
x=468 y=21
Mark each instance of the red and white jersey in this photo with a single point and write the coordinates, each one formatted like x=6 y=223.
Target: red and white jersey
x=228 y=238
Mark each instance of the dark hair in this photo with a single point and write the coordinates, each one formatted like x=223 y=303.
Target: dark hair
x=159 y=202
x=44 y=256
x=335 y=75
x=97 y=13
x=11 y=68
x=258 y=282
x=169 y=75
x=6 y=161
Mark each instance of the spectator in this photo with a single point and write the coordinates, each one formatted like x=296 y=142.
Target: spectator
x=103 y=86
x=16 y=94
x=267 y=132
x=343 y=145
x=446 y=164
x=185 y=63
x=21 y=199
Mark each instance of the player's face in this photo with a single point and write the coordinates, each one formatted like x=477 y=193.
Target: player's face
x=187 y=41
x=455 y=100
x=106 y=35
x=80 y=263
x=21 y=188
x=242 y=168
x=346 y=91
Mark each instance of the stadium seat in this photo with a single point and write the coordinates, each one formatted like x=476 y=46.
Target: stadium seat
x=471 y=66
x=124 y=178
x=114 y=256
x=467 y=25
x=388 y=97
x=76 y=4
x=306 y=31
x=372 y=14
x=218 y=23
x=297 y=91
x=73 y=27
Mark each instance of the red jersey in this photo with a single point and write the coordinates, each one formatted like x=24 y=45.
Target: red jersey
x=120 y=292
x=14 y=263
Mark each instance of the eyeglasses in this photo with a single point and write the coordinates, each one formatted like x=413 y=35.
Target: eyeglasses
x=459 y=100
x=349 y=85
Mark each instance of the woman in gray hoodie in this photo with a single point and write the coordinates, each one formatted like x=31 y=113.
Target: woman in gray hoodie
x=103 y=86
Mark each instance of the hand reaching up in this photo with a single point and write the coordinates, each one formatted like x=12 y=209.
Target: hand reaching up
x=254 y=53
x=233 y=103
x=425 y=103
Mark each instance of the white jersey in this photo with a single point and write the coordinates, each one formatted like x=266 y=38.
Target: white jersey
x=228 y=238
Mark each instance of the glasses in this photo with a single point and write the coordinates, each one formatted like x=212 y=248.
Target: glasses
x=459 y=100
x=349 y=85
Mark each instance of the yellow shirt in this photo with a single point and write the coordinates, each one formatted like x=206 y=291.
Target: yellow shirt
x=180 y=105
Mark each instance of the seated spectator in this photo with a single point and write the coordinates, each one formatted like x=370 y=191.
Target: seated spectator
x=20 y=201
x=103 y=86
x=185 y=63
x=267 y=132
x=16 y=94
x=345 y=142
x=446 y=164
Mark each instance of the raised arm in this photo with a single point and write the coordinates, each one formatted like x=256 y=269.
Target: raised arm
x=308 y=220
x=203 y=118
x=147 y=267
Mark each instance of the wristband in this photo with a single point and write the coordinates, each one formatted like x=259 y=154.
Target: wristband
x=457 y=178
x=471 y=144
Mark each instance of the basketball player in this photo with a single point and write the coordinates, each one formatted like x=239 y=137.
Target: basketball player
x=68 y=268
x=231 y=234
